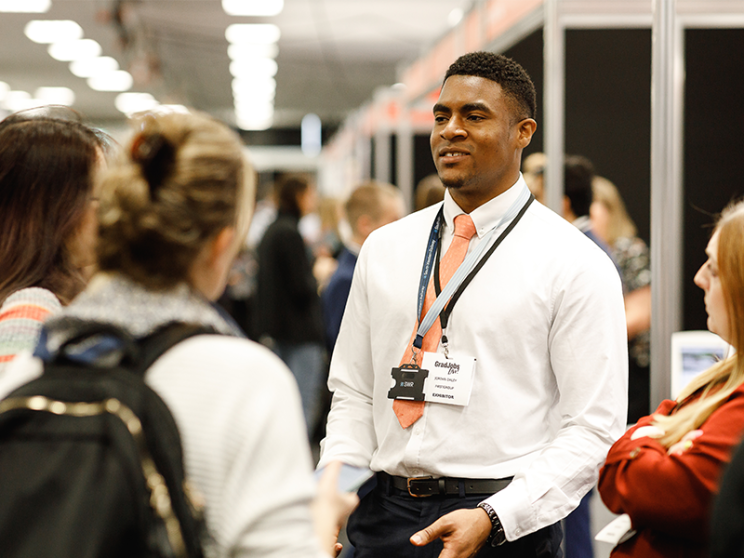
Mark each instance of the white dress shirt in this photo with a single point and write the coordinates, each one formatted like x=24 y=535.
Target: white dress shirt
x=544 y=318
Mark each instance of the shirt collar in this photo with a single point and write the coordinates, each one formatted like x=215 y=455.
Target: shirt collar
x=352 y=247
x=583 y=223
x=490 y=213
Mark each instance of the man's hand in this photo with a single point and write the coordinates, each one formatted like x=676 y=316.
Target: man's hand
x=463 y=533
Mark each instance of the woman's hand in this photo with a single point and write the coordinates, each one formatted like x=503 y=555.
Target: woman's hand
x=685 y=443
x=331 y=509
x=649 y=430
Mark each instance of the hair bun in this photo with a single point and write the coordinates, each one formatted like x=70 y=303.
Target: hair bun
x=155 y=155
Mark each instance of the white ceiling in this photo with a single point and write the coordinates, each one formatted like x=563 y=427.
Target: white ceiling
x=332 y=53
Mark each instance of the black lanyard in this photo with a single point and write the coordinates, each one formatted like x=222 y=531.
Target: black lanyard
x=444 y=315
x=432 y=250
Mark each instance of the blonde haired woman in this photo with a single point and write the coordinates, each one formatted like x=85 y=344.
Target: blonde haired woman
x=664 y=471
x=611 y=222
x=173 y=212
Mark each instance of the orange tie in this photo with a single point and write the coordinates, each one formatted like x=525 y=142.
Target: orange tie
x=409 y=412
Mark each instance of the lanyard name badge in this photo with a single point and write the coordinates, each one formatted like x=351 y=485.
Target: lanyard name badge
x=451 y=376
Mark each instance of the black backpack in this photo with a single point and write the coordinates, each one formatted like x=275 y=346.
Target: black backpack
x=91 y=464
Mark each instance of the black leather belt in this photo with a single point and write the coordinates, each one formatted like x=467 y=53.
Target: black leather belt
x=421 y=487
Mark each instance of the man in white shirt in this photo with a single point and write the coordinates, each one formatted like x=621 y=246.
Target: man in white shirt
x=533 y=349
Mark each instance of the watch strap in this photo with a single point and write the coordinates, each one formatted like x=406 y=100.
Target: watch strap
x=497 y=537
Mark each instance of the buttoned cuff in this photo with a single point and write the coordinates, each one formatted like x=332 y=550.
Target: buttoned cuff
x=514 y=510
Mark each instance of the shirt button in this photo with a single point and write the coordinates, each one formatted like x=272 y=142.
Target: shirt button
x=416 y=472
x=517 y=531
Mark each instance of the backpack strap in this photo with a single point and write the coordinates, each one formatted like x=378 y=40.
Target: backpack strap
x=121 y=349
x=152 y=347
x=167 y=450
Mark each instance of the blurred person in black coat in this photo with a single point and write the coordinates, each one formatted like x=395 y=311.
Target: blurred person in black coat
x=288 y=315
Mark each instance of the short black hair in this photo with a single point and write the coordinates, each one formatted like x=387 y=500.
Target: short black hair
x=513 y=79
x=578 y=173
x=289 y=188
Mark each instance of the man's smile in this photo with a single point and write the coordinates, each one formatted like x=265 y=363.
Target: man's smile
x=452 y=155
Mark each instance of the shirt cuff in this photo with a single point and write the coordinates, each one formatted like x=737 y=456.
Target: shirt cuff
x=514 y=510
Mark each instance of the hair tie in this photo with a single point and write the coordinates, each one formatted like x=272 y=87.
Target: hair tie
x=155 y=155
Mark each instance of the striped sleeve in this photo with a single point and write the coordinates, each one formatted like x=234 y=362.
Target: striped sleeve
x=21 y=317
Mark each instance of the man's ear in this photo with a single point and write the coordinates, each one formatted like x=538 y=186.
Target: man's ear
x=567 y=211
x=525 y=129
x=364 y=226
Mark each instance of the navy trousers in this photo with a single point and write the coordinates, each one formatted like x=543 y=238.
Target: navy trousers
x=578 y=530
x=386 y=517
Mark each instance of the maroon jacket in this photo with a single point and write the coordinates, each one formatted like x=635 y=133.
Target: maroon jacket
x=669 y=497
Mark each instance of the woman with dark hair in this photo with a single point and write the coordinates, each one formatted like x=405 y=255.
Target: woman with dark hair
x=288 y=314
x=47 y=221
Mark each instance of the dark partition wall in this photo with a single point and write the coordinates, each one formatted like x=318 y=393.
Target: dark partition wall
x=608 y=110
x=372 y=158
x=713 y=146
x=423 y=164
x=392 y=161
x=529 y=54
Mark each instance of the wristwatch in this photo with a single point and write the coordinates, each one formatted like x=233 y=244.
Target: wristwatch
x=497 y=536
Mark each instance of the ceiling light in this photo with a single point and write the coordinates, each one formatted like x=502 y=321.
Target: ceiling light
x=252 y=7
x=254 y=110
x=90 y=67
x=259 y=95
x=455 y=16
x=67 y=51
x=252 y=50
x=261 y=122
x=53 y=31
x=170 y=109
x=131 y=103
x=20 y=100
x=258 y=67
x=250 y=100
x=17 y=95
x=261 y=33
x=112 y=81
x=262 y=90
x=55 y=95
x=253 y=83
x=25 y=6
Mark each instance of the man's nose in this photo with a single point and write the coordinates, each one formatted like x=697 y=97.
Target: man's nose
x=453 y=128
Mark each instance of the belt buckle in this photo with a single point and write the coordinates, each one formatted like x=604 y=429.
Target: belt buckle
x=415 y=479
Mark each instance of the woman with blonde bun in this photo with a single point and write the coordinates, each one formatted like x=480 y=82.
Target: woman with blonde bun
x=173 y=213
